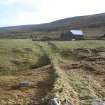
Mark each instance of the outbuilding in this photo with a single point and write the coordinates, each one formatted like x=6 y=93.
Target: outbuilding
x=77 y=34
x=73 y=35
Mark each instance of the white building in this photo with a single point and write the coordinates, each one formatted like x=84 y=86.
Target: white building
x=77 y=32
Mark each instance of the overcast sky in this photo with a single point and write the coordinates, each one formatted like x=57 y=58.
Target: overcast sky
x=19 y=12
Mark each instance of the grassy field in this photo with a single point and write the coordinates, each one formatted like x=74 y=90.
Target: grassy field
x=19 y=61
x=72 y=70
x=18 y=55
x=81 y=70
x=80 y=44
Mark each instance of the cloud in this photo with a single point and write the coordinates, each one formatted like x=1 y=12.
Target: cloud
x=15 y=12
x=25 y=18
x=12 y=2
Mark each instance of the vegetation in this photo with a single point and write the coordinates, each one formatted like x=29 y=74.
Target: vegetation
x=18 y=55
x=72 y=71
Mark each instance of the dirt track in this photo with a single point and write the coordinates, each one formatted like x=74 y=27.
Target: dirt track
x=44 y=84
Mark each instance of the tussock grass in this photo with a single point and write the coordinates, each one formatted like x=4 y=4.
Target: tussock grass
x=18 y=55
x=80 y=44
x=76 y=85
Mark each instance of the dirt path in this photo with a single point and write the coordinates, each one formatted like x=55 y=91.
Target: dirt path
x=43 y=83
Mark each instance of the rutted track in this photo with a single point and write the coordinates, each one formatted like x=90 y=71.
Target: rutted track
x=73 y=73
x=44 y=84
x=78 y=80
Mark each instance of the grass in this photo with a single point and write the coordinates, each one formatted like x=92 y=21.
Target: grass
x=76 y=85
x=80 y=44
x=18 y=55
x=18 y=59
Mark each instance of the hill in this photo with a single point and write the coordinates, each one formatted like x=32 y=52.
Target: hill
x=83 y=22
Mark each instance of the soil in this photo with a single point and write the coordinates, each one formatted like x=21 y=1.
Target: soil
x=42 y=83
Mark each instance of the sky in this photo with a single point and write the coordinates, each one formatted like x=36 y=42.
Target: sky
x=22 y=12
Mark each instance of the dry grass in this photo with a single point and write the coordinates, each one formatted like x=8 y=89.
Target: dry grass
x=79 y=66
x=75 y=71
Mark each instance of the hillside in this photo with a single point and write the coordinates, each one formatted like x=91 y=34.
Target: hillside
x=24 y=31
x=74 y=22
